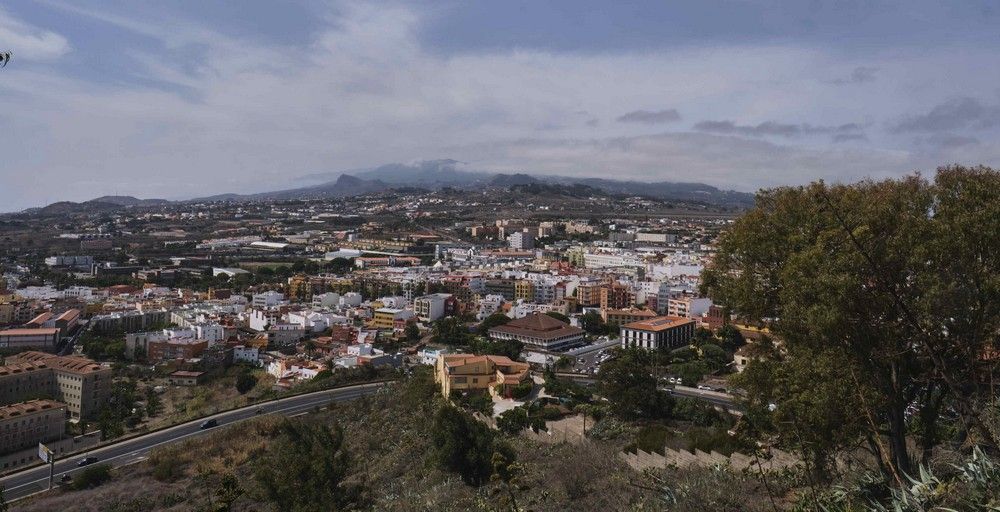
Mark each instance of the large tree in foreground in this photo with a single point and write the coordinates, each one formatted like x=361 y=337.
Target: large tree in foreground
x=898 y=279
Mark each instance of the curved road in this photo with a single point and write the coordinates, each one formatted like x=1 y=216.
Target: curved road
x=30 y=481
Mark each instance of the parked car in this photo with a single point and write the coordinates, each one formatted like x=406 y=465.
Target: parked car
x=86 y=461
x=207 y=424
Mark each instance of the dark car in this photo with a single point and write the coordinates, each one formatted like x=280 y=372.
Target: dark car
x=86 y=461
x=209 y=424
x=66 y=478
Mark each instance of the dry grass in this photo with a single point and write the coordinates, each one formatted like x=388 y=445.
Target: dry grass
x=388 y=436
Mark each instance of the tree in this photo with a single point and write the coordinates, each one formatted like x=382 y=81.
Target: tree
x=508 y=348
x=304 y=469
x=119 y=410
x=153 y=402
x=245 y=381
x=451 y=331
x=494 y=320
x=732 y=338
x=412 y=332
x=628 y=383
x=592 y=323
x=715 y=356
x=558 y=316
x=898 y=277
x=463 y=445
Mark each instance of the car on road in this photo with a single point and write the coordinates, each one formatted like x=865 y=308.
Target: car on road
x=207 y=424
x=260 y=410
x=86 y=461
x=65 y=479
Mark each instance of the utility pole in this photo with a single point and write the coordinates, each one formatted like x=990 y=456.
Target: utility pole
x=52 y=470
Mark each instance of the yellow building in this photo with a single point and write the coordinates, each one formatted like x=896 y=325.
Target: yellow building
x=390 y=318
x=625 y=316
x=468 y=372
x=524 y=289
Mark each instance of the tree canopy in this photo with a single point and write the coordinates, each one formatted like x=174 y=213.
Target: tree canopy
x=890 y=287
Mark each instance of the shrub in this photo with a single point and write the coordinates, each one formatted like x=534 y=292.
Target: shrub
x=92 y=476
x=523 y=389
x=652 y=438
x=167 y=466
x=245 y=382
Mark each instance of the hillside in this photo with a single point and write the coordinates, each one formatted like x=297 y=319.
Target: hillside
x=388 y=464
x=129 y=201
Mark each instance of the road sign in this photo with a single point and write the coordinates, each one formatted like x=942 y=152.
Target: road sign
x=44 y=453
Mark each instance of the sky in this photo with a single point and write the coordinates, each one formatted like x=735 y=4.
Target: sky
x=186 y=98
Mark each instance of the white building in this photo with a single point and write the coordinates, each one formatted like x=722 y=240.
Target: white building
x=260 y=320
x=489 y=305
x=688 y=307
x=268 y=299
x=521 y=241
x=326 y=300
x=351 y=299
x=244 y=354
x=430 y=307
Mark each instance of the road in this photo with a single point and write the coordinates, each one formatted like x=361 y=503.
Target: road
x=129 y=451
x=715 y=398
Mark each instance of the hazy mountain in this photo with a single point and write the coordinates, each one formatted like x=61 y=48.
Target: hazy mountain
x=669 y=191
x=344 y=186
x=429 y=173
x=435 y=174
x=72 y=208
x=509 y=180
x=129 y=201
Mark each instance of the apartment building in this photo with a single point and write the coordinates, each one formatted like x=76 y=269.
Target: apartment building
x=524 y=290
x=387 y=318
x=24 y=425
x=174 y=349
x=130 y=321
x=521 y=241
x=502 y=287
x=658 y=332
x=616 y=296
x=433 y=306
x=82 y=384
x=626 y=316
x=267 y=299
x=688 y=307
x=588 y=295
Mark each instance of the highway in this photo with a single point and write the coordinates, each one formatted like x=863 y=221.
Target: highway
x=715 y=398
x=30 y=481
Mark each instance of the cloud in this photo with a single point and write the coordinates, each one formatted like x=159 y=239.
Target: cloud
x=650 y=117
x=860 y=75
x=29 y=42
x=954 y=114
x=725 y=161
x=947 y=141
x=849 y=137
x=772 y=128
x=245 y=114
